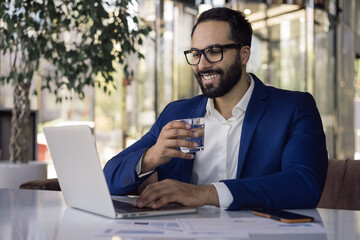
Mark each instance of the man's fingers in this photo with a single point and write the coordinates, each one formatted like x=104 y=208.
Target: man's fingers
x=177 y=124
x=150 y=194
x=176 y=129
x=157 y=194
x=166 y=191
x=170 y=150
x=179 y=133
x=174 y=153
x=176 y=143
x=171 y=138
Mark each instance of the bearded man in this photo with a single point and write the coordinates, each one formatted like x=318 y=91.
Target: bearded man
x=264 y=147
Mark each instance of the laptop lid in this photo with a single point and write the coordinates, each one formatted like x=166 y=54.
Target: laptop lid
x=81 y=177
x=79 y=172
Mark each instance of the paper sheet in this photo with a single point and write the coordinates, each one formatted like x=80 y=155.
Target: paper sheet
x=250 y=225
x=156 y=228
x=239 y=228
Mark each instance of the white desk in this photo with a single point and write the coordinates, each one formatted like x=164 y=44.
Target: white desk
x=43 y=215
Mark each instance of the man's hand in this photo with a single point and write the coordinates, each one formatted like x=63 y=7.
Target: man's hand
x=160 y=193
x=170 y=139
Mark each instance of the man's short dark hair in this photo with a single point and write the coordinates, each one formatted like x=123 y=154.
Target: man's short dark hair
x=240 y=27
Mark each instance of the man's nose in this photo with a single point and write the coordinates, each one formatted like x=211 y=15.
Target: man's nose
x=203 y=63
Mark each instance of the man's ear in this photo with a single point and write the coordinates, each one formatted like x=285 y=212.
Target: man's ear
x=245 y=54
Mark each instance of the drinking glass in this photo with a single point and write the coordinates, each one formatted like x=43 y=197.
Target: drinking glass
x=198 y=125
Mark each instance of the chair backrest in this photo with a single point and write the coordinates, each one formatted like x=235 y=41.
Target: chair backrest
x=42 y=184
x=342 y=187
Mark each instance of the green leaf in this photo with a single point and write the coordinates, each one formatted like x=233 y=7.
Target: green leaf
x=88 y=51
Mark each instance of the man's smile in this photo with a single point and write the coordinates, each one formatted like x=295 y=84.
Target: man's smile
x=209 y=78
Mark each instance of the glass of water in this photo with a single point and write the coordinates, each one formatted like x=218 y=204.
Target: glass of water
x=198 y=125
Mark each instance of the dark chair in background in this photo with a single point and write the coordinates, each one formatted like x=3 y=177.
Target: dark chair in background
x=42 y=184
x=342 y=187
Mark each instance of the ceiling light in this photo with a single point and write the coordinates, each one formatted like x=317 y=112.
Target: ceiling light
x=247 y=11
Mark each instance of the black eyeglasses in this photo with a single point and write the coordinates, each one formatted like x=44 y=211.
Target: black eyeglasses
x=212 y=54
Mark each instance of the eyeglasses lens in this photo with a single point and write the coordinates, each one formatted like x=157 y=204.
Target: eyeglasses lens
x=212 y=54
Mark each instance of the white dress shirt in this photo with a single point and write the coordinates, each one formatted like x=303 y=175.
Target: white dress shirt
x=219 y=159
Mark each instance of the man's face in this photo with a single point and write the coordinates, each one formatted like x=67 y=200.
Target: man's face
x=216 y=79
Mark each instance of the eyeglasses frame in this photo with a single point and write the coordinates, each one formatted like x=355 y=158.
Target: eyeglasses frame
x=202 y=51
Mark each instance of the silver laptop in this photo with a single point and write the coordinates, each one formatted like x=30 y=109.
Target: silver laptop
x=82 y=180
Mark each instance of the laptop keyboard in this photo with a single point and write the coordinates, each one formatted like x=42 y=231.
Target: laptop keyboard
x=127 y=207
x=124 y=207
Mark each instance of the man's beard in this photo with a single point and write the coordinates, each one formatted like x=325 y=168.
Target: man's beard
x=227 y=80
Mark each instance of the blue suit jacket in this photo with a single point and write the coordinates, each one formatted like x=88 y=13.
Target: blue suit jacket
x=282 y=157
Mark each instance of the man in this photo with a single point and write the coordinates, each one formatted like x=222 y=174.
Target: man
x=264 y=147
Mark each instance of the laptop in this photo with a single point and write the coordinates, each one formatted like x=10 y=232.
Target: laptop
x=82 y=180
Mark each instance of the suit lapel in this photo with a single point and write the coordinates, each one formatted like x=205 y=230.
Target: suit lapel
x=254 y=112
x=199 y=109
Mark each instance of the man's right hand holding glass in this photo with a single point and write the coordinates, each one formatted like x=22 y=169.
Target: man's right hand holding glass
x=171 y=138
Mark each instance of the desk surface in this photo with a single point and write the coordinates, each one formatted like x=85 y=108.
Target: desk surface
x=33 y=215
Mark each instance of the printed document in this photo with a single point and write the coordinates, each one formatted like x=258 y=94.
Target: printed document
x=240 y=228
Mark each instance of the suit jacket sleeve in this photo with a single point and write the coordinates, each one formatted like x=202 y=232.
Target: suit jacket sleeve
x=120 y=170
x=302 y=161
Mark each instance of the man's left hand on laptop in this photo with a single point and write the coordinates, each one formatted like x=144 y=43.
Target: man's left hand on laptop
x=168 y=190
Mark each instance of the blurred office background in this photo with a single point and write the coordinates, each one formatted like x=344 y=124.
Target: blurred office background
x=305 y=45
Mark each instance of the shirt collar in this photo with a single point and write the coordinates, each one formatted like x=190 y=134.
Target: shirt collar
x=244 y=101
x=241 y=105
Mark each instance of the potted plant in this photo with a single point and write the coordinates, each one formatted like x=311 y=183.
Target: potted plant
x=75 y=39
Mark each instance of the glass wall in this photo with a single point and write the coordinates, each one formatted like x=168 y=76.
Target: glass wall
x=279 y=44
x=163 y=76
x=346 y=35
x=357 y=107
x=310 y=46
x=324 y=74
